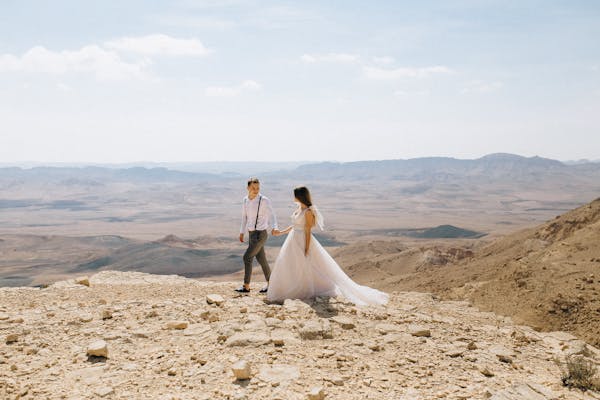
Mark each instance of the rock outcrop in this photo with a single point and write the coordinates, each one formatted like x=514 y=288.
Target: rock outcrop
x=221 y=345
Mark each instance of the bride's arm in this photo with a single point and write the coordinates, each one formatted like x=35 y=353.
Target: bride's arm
x=276 y=232
x=310 y=222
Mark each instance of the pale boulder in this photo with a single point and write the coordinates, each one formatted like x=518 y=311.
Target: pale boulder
x=241 y=370
x=177 y=324
x=98 y=348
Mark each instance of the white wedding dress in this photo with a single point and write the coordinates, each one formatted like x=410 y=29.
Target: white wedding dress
x=296 y=276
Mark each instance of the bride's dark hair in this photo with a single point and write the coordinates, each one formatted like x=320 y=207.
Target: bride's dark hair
x=302 y=194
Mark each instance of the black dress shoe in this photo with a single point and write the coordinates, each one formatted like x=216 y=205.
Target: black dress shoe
x=242 y=289
x=264 y=290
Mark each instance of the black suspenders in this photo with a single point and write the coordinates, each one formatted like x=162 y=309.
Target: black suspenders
x=257 y=211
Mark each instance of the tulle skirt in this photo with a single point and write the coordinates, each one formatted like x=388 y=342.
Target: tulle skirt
x=296 y=276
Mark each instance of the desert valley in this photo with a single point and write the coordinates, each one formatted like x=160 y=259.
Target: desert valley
x=508 y=243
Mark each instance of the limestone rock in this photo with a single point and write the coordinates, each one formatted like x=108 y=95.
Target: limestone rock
x=313 y=330
x=248 y=339
x=386 y=328
x=503 y=354
x=87 y=317
x=104 y=391
x=196 y=330
x=241 y=370
x=279 y=373
x=215 y=299
x=419 y=331
x=209 y=316
x=177 y=324
x=107 y=313
x=140 y=333
x=281 y=337
x=337 y=380
x=575 y=347
x=11 y=338
x=527 y=391
x=98 y=348
x=316 y=393
x=455 y=351
x=345 y=322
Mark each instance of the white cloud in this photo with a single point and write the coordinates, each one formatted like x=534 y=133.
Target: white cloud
x=232 y=91
x=251 y=85
x=377 y=73
x=481 y=87
x=343 y=58
x=104 y=64
x=159 y=44
x=385 y=60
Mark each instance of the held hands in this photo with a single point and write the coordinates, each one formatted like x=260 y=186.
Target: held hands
x=277 y=232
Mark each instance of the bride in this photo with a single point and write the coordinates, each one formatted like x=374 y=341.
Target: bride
x=305 y=270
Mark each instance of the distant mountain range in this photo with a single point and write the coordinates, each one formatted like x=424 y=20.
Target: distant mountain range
x=208 y=167
x=499 y=165
x=93 y=176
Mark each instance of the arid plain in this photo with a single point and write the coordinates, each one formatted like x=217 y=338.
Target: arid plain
x=56 y=222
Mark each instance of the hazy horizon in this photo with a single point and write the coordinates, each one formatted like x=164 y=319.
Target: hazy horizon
x=288 y=162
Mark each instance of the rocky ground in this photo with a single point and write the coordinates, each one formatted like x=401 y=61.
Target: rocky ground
x=129 y=335
x=546 y=276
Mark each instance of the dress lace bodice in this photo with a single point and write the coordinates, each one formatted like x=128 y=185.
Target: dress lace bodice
x=299 y=219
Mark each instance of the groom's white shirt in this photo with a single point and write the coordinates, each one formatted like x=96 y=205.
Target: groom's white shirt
x=266 y=217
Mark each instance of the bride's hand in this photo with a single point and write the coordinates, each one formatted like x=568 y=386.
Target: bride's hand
x=276 y=232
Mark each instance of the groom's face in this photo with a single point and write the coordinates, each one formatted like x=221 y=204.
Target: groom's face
x=253 y=189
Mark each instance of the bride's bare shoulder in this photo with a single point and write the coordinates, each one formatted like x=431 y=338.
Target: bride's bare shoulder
x=310 y=216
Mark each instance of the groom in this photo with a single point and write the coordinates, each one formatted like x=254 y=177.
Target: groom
x=257 y=217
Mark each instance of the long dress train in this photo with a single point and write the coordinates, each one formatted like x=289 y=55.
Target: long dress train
x=296 y=276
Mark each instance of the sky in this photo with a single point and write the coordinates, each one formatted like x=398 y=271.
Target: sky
x=241 y=80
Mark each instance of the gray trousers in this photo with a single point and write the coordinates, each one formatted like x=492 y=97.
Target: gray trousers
x=256 y=248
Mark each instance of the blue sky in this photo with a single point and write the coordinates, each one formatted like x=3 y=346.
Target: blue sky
x=207 y=80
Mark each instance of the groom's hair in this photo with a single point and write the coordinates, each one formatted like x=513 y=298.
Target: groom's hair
x=302 y=194
x=252 y=180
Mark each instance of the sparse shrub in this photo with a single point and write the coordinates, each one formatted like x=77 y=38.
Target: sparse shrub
x=579 y=372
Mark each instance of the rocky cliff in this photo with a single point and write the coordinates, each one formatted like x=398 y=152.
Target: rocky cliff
x=130 y=335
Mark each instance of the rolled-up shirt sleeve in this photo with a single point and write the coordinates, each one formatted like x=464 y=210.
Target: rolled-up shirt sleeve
x=244 y=217
x=272 y=217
